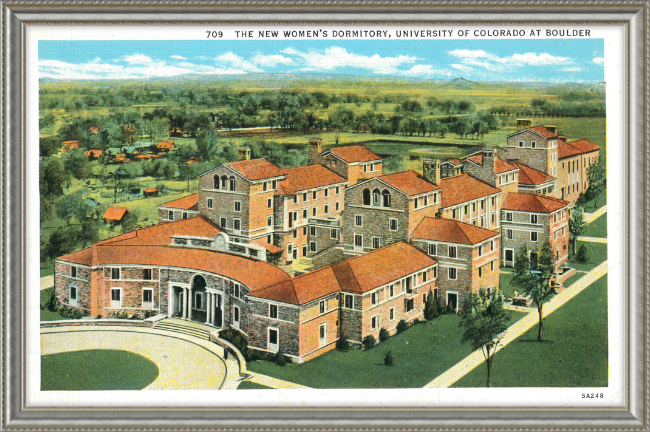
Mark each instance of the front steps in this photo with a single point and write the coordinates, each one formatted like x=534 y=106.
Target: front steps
x=189 y=328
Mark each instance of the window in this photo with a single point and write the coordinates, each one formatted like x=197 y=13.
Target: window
x=425 y=276
x=269 y=238
x=327 y=208
x=312 y=231
x=480 y=272
x=365 y=168
x=312 y=246
x=415 y=203
x=494 y=201
x=533 y=218
x=116 y=297
x=313 y=211
x=473 y=207
x=269 y=220
x=483 y=204
x=337 y=206
x=392 y=314
x=295 y=199
x=358 y=220
x=236 y=320
x=273 y=311
x=385 y=198
x=223 y=222
x=333 y=234
x=452 y=273
x=375 y=322
x=237 y=206
x=209 y=203
x=508 y=216
x=269 y=203
x=432 y=249
x=466 y=209
x=453 y=214
x=326 y=192
x=184 y=215
x=366 y=196
x=375 y=197
x=392 y=224
x=348 y=301
x=313 y=195
x=115 y=273
x=73 y=271
x=304 y=213
x=322 y=306
x=533 y=236
x=265 y=186
x=435 y=272
x=236 y=290
x=491 y=265
x=232 y=183
x=215 y=182
x=533 y=144
x=521 y=143
x=426 y=200
x=435 y=198
x=391 y=290
x=480 y=250
x=338 y=190
x=374 y=298
x=73 y=296
x=409 y=305
x=224 y=182
x=452 y=251
x=147 y=274
x=509 y=234
x=375 y=242
x=171 y=215
x=237 y=224
x=275 y=184
x=304 y=251
x=304 y=197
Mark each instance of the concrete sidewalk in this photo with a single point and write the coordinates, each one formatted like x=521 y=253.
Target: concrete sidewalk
x=590 y=217
x=475 y=359
x=592 y=239
x=47 y=282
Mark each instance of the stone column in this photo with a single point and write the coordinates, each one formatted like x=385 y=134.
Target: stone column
x=208 y=309
x=189 y=303
x=184 y=302
x=214 y=308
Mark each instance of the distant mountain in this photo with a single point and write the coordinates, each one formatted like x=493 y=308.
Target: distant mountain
x=462 y=82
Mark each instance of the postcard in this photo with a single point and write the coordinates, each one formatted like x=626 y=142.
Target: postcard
x=311 y=215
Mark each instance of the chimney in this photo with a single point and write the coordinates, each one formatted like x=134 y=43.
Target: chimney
x=552 y=129
x=563 y=138
x=523 y=124
x=431 y=170
x=315 y=148
x=488 y=160
x=243 y=153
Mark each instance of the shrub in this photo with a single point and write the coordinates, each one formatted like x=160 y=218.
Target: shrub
x=584 y=253
x=388 y=359
x=280 y=359
x=401 y=326
x=369 y=341
x=342 y=344
x=149 y=313
x=52 y=302
x=383 y=335
x=431 y=309
x=238 y=340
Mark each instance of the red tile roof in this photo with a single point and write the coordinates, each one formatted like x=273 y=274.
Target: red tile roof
x=544 y=131
x=533 y=203
x=190 y=202
x=115 y=213
x=84 y=257
x=256 y=169
x=451 y=231
x=95 y=152
x=70 y=145
x=529 y=175
x=355 y=153
x=574 y=148
x=462 y=188
x=165 y=145
x=409 y=182
x=499 y=165
x=307 y=177
x=585 y=146
x=454 y=161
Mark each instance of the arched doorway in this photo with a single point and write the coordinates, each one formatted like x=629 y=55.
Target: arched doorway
x=198 y=298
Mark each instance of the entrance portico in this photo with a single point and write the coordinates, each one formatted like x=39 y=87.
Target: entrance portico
x=196 y=302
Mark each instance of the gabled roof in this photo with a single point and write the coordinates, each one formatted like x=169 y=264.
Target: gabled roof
x=307 y=177
x=115 y=213
x=190 y=202
x=354 y=153
x=529 y=175
x=463 y=188
x=165 y=144
x=533 y=203
x=544 y=131
x=453 y=161
x=409 y=182
x=451 y=231
x=256 y=169
x=500 y=166
x=573 y=148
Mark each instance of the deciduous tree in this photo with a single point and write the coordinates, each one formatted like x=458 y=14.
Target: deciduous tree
x=577 y=226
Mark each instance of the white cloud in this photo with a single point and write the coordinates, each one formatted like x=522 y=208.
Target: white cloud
x=462 y=68
x=495 y=63
x=598 y=60
x=337 y=57
x=177 y=57
x=237 y=62
x=272 y=60
x=139 y=59
x=425 y=71
x=572 y=69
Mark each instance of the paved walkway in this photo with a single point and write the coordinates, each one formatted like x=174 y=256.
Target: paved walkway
x=273 y=382
x=590 y=217
x=183 y=364
x=47 y=282
x=592 y=239
x=475 y=359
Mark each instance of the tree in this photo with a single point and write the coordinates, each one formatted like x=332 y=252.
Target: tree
x=597 y=181
x=483 y=321
x=51 y=178
x=341 y=118
x=62 y=241
x=535 y=282
x=73 y=206
x=577 y=226
x=430 y=307
x=130 y=221
x=76 y=164
x=49 y=145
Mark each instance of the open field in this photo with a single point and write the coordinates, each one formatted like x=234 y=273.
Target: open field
x=574 y=353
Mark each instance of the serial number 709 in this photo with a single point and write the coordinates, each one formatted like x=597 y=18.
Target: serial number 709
x=214 y=34
x=593 y=395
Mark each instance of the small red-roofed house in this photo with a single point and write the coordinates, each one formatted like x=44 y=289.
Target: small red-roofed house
x=70 y=145
x=94 y=154
x=532 y=220
x=115 y=215
x=165 y=146
x=486 y=166
x=151 y=191
x=181 y=208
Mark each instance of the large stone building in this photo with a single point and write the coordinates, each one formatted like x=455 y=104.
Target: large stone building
x=181 y=208
x=575 y=157
x=355 y=162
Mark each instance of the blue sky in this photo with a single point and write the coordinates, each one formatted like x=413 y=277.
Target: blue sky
x=549 y=60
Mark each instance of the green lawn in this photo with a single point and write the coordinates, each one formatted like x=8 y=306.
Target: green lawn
x=574 y=353
x=47 y=315
x=96 y=370
x=420 y=354
x=597 y=228
x=504 y=284
x=247 y=385
x=573 y=279
x=598 y=254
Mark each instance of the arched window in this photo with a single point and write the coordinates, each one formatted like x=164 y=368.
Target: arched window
x=232 y=183
x=386 y=198
x=224 y=182
x=366 y=197
x=375 y=197
x=216 y=182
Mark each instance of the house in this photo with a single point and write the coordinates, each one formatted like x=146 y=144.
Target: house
x=532 y=180
x=181 y=208
x=467 y=256
x=151 y=191
x=115 y=215
x=129 y=151
x=165 y=146
x=451 y=167
x=354 y=163
x=70 y=145
x=532 y=220
x=486 y=166
x=575 y=157
x=535 y=146
x=94 y=154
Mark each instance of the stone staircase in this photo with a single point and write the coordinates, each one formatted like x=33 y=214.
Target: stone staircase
x=189 y=328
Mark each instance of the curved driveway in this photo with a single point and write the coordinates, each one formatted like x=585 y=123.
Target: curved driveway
x=187 y=363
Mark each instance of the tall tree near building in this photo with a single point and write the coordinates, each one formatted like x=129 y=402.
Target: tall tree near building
x=483 y=321
x=597 y=181
x=577 y=226
x=537 y=282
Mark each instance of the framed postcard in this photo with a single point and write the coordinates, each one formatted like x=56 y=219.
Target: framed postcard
x=292 y=215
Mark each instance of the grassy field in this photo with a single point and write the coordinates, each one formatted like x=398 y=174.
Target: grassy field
x=574 y=353
x=597 y=228
x=96 y=370
x=420 y=354
x=598 y=255
x=504 y=284
x=47 y=315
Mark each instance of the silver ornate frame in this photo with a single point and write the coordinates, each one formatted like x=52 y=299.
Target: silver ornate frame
x=18 y=14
